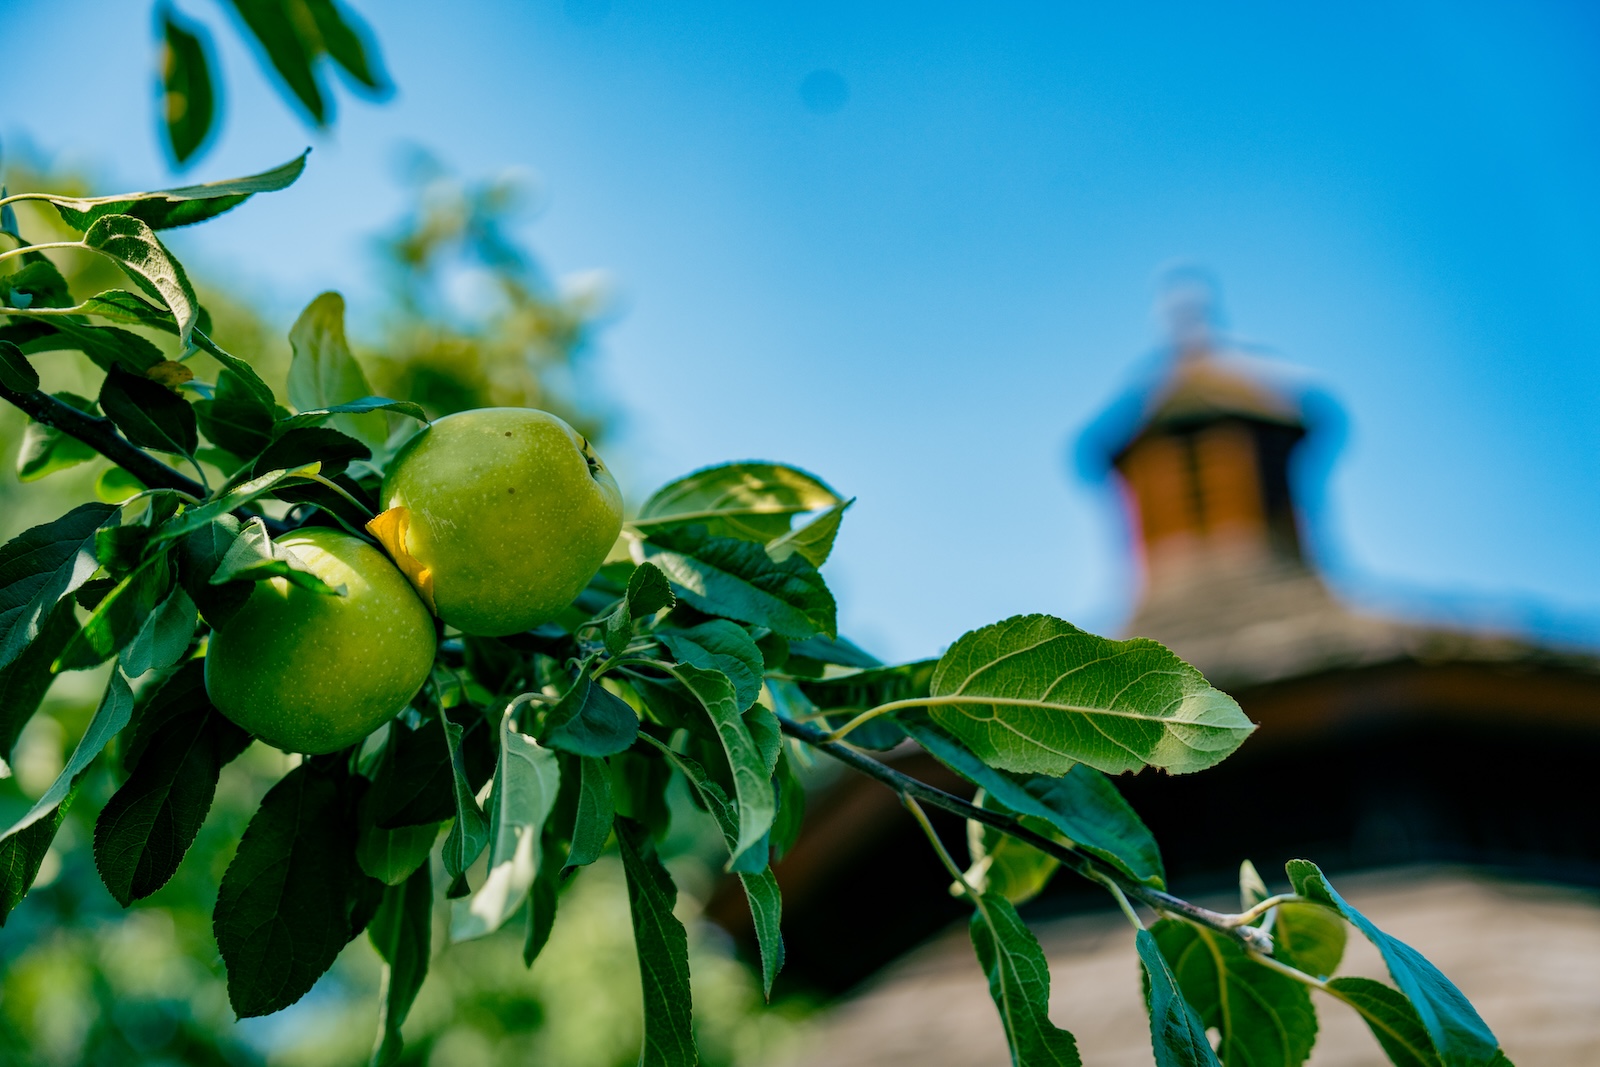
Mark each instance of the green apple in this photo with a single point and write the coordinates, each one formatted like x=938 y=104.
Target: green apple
x=312 y=673
x=499 y=517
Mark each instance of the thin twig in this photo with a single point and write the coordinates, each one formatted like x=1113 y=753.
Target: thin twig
x=1079 y=863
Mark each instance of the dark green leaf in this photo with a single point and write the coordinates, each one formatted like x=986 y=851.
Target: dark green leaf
x=413 y=784
x=1019 y=982
x=166 y=208
x=284 y=906
x=470 y=833
x=46 y=449
x=639 y=789
x=106 y=346
x=591 y=826
x=720 y=645
x=590 y=720
x=148 y=824
x=119 y=305
x=1308 y=937
x=24 y=681
x=149 y=414
x=525 y=785
x=1004 y=865
x=164 y=636
x=351 y=413
x=839 y=651
x=235 y=417
x=287 y=50
x=663 y=948
x=16 y=373
x=1036 y=694
x=750 y=501
x=1460 y=1036
x=791 y=808
x=246 y=374
x=1264 y=1017
x=847 y=695
x=401 y=931
x=22 y=853
x=197 y=518
x=22 y=847
x=1082 y=805
x=1176 y=1033
x=648 y=592
x=118 y=618
x=348 y=43
x=543 y=899
x=40 y=566
x=199 y=555
x=814 y=540
x=737 y=579
x=254 y=558
x=324 y=375
x=391 y=856
x=187 y=101
x=751 y=773
x=312 y=444
x=1392 y=1020
x=134 y=246
x=38 y=284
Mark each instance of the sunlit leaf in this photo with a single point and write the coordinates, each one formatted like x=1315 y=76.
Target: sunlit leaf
x=181 y=206
x=323 y=374
x=737 y=579
x=133 y=246
x=187 y=100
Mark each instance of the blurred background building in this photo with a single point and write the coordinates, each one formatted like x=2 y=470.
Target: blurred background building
x=1447 y=768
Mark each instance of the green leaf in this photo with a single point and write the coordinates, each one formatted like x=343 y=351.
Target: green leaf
x=187 y=101
x=1460 y=1036
x=284 y=906
x=119 y=305
x=525 y=785
x=164 y=637
x=848 y=694
x=288 y=51
x=791 y=808
x=22 y=853
x=751 y=774
x=182 y=744
x=750 y=501
x=248 y=378
x=1019 y=982
x=391 y=856
x=196 y=518
x=166 y=208
x=134 y=246
x=23 y=845
x=235 y=417
x=199 y=555
x=1005 y=866
x=1036 y=694
x=348 y=44
x=254 y=558
x=1082 y=805
x=1177 y=1035
x=119 y=617
x=38 y=284
x=106 y=346
x=469 y=835
x=40 y=566
x=16 y=373
x=543 y=900
x=663 y=948
x=1308 y=937
x=313 y=444
x=1392 y=1020
x=737 y=579
x=1264 y=1017
x=589 y=720
x=26 y=679
x=591 y=826
x=414 y=784
x=323 y=374
x=149 y=414
x=401 y=932
x=814 y=540
x=648 y=592
x=365 y=405
x=840 y=651
x=720 y=645
x=46 y=449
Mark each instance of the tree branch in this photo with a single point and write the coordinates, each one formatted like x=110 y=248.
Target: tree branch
x=1085 y=866
x=101 y=434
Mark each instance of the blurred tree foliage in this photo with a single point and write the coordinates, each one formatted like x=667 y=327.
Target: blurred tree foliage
x=470 y=319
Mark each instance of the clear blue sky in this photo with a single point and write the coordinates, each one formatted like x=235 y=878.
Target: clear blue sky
x=925 y=293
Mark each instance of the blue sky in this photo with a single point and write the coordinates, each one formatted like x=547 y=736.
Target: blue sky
x=922 y=271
